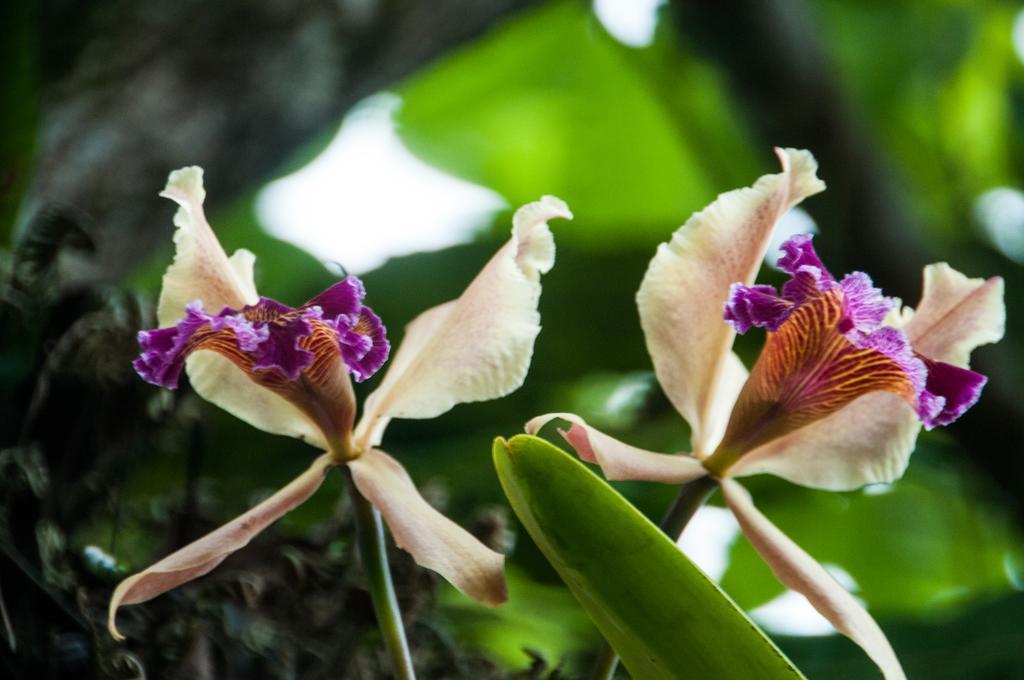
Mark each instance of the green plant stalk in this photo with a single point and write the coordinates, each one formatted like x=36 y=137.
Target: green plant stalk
x=691 y=497
x=374 y=558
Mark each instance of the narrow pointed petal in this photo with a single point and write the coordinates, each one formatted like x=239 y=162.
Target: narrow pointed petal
x=202 y=556
x=201 y=269
x=478 y=347
x=802 y=573
x=956 y=315
x=620 y=461
x=434 y=541
x=687 y=285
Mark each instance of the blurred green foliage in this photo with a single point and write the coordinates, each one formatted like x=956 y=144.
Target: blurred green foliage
x=19 y=111
x=548 y=103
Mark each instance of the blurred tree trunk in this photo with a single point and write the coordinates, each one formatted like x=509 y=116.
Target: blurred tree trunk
x=781 y=75
x=133 y=90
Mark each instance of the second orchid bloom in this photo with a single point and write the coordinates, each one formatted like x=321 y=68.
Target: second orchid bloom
x=286 y=371
x=838 y=394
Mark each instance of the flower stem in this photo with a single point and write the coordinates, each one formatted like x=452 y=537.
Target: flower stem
x=374 y=558
x=691 y=496
x=607 y=662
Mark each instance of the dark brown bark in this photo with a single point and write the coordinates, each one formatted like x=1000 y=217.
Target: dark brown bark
x=133 y=90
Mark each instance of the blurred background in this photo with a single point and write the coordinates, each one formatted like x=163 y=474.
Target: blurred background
x=393 y=139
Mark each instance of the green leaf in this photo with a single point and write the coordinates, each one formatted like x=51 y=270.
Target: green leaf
x=663 y=616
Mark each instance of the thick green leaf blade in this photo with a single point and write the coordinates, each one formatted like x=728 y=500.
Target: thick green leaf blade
x=663 y=616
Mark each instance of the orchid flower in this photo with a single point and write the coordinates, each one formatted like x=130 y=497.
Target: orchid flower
x=286 y=371
x=838 y=394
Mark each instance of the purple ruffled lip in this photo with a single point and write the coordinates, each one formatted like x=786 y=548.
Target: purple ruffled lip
x=943 y=392
x=271 y=338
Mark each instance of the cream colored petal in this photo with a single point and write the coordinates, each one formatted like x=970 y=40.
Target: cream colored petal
x=687 y=284
x=722 y=399
x=434 y=541
x=242 y=262
x=478 y=347
x=220 y=382
x=201 y=269
x=202 y=556
x=618 y=460
x=956 y=315
x=871 y=439
x=418 y=333
x=867 y=441
x=800 y=572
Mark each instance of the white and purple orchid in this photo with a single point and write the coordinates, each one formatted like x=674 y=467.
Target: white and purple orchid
x=838 y=394
x=286 y=371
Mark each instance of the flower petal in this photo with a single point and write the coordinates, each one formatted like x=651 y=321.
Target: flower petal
x=282 y=349
x=201 y=269
x=344 y=297
x=757 y=306
x=242 y=261
x=956 y=315
x=866 y=307
x=293 y=354
x=418 y=333
x=218 y=380
x=364 y=346
x=687 y=284
x=434 y=541
x=723 y=396
x=871 y=439
x=164 y=350
x=618 y=460
x=478 y=347
x=202 y=556
x=362 y=337
x=808 y=370
x=950 y=391
x=800 y=572
x=867 y=441
x=798 y=254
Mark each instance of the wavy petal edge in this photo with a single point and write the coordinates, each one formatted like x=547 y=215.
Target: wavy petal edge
x=479 y=346
x=687 y=285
